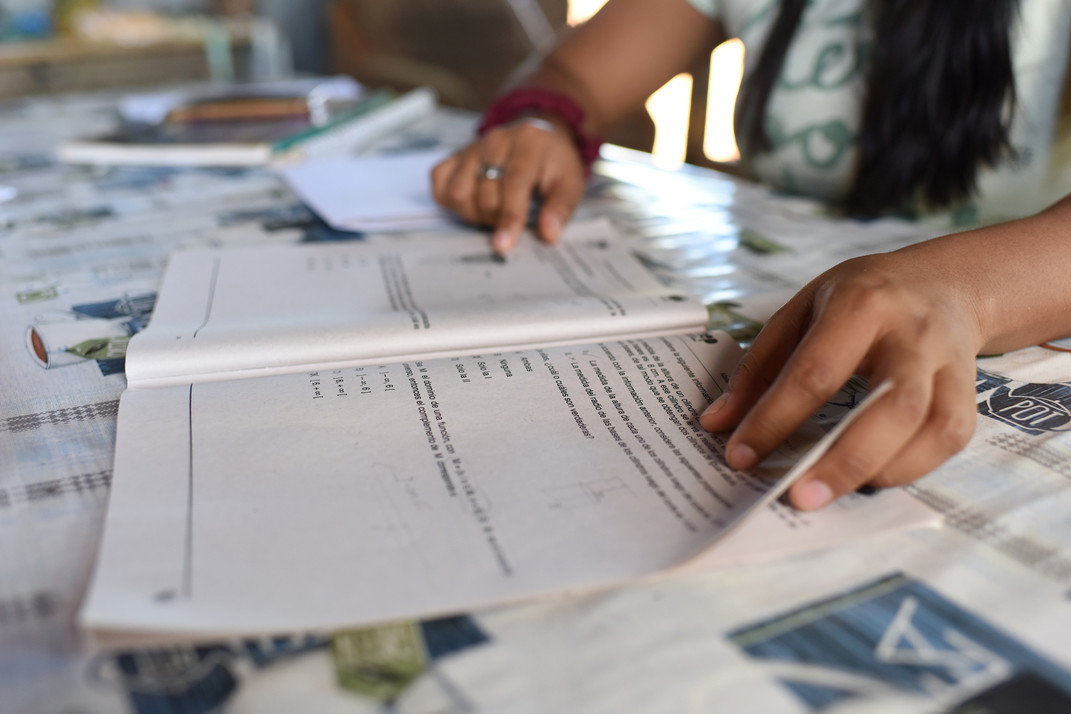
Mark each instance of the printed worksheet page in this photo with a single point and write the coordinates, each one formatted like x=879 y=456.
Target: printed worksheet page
x=225 y=314
x=372 y=493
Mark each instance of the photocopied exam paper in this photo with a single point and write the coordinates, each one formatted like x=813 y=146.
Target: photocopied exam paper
x=249 y=312
x=343 y=497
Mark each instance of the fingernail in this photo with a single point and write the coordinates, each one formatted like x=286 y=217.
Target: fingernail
x=715 y=406
x=741 y=457
x=502 y=241
x=813 y=495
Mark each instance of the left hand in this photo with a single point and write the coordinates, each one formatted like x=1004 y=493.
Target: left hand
x=890 y=316
x=532 y=161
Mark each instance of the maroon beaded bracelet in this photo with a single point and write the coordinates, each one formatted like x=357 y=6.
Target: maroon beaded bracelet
x=533 y=100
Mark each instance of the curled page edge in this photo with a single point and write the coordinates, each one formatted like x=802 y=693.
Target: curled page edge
x=801 y=467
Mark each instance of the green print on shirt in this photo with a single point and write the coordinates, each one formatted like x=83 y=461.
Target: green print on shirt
x=758 y=17
x=828 y=58
x=822 y=145
x=837 y=63
x=829 y=66
x=830 y=70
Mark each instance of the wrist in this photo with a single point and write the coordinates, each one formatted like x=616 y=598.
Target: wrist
x=943 y=269
x=1020 y=270
x=547 y=122
x=556 y=108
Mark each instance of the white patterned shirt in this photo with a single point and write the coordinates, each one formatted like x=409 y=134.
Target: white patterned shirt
x=815 y=107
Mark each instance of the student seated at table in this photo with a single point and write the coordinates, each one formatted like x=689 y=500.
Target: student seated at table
x=941 y=109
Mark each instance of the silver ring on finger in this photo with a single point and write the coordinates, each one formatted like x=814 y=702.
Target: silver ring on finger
x=492 y=172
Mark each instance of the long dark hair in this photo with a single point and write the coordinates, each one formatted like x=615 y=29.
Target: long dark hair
x=938 y=103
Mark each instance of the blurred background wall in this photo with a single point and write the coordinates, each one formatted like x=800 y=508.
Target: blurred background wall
x=465 y=49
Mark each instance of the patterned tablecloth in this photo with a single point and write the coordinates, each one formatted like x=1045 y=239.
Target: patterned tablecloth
x=975 y=614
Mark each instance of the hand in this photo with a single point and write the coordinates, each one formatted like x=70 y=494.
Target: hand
x=535 y=161
x=891 y=316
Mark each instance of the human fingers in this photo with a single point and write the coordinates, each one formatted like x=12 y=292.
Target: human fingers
x=552 y=173
x=441 y=175
x=561 y=187
x=879 y=434
x=947 y=429
x=495 y=163
x=829 y=353
x=761 y=364
x=454 y=182
x=517 y=188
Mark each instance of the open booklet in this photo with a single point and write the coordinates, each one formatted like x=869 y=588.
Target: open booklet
x=250 y=312
x=331 y=435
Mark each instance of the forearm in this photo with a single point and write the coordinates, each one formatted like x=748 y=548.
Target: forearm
x=1014 y=274
x=613 y=62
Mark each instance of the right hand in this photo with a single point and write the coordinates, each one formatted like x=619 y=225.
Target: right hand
x=909 y=316
x=536 y=163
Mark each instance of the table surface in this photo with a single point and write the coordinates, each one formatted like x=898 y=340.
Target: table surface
x=975 y=612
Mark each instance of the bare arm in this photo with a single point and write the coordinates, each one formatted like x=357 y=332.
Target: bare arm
x=615 y=61
x=609 y=66
x=917 y=316
x=1027 y=298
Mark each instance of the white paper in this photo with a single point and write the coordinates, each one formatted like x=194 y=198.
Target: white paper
x=369 y=494
x=249 y=312
x=376 y=192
